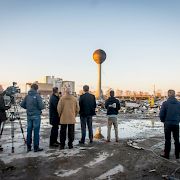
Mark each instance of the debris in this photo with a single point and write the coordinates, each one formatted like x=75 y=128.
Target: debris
x=98 y=134
x=134 y=145
x=153 y=170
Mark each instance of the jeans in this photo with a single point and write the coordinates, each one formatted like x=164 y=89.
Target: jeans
x=70 y=134
x=33 y=123
x=54 y=134
x=175 y=131
x=86 y=120
x=112 y=120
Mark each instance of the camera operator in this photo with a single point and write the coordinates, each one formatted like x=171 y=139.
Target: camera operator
x=3 y=109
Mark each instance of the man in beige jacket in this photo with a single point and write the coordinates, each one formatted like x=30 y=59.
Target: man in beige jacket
x=68 y=109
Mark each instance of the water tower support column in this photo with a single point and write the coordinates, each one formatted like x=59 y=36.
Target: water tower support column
x=99 y=82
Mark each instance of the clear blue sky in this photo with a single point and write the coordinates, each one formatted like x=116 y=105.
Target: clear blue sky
x=48 y=37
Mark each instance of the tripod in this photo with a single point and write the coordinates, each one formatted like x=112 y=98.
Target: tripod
x=13 y=115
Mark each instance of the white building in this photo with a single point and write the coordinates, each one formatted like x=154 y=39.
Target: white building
x=56 y=82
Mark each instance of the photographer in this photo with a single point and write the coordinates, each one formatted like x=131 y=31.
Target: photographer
x=3 y=109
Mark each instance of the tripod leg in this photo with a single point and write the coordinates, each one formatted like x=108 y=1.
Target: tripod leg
x=22 y=131
x=12 y=135
x=2 y=128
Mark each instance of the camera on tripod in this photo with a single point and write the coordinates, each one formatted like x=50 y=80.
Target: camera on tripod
x=13 y=113
x=11 y=91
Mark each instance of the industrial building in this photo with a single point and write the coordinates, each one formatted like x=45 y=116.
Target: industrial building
x=48 y=82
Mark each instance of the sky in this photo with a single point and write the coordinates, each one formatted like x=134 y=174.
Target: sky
x=54 y=37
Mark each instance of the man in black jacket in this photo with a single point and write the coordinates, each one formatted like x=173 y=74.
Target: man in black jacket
x=54 y=117
x=3 y=109
x=113 y=106
x=87 y=103
x=170 y=116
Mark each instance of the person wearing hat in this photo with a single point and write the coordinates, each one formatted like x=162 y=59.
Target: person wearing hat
x=3 y=109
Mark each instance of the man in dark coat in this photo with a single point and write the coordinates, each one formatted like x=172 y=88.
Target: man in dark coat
x=3 y=109
x=54 y=117
x=113 y=106
x=34 y=105
x=87 y=103
x=170 y=116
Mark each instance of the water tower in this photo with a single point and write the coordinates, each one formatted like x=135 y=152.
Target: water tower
x=99 y=57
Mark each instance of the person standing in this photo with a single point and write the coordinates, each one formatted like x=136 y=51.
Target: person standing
x=113 y=106
x=87 y=103
x=34 y=105
x=3 y=109
x=170 y=116
x=67 y=109
x=54 y=117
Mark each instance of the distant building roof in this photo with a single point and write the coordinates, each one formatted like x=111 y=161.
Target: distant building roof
x=45 y=87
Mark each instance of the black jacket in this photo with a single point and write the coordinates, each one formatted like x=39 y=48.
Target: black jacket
x=87 y=104
x=112 y=105
x=53 y=114
x=170 y=111
x=3 y=108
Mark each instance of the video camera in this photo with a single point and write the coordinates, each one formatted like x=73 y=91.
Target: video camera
x=11 y=91
x=14 y=89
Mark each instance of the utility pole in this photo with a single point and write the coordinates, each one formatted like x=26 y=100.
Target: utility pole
x=154 y=90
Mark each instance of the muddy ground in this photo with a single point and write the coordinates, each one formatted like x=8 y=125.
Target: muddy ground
x=135 y=156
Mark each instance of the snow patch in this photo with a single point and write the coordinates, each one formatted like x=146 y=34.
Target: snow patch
x=66 y=173
x=7 y=158
x=111 y=172
x=136 y=128
x=101 y=157
x=69 y=152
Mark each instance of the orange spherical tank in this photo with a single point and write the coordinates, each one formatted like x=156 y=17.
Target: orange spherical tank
x=99 y=56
